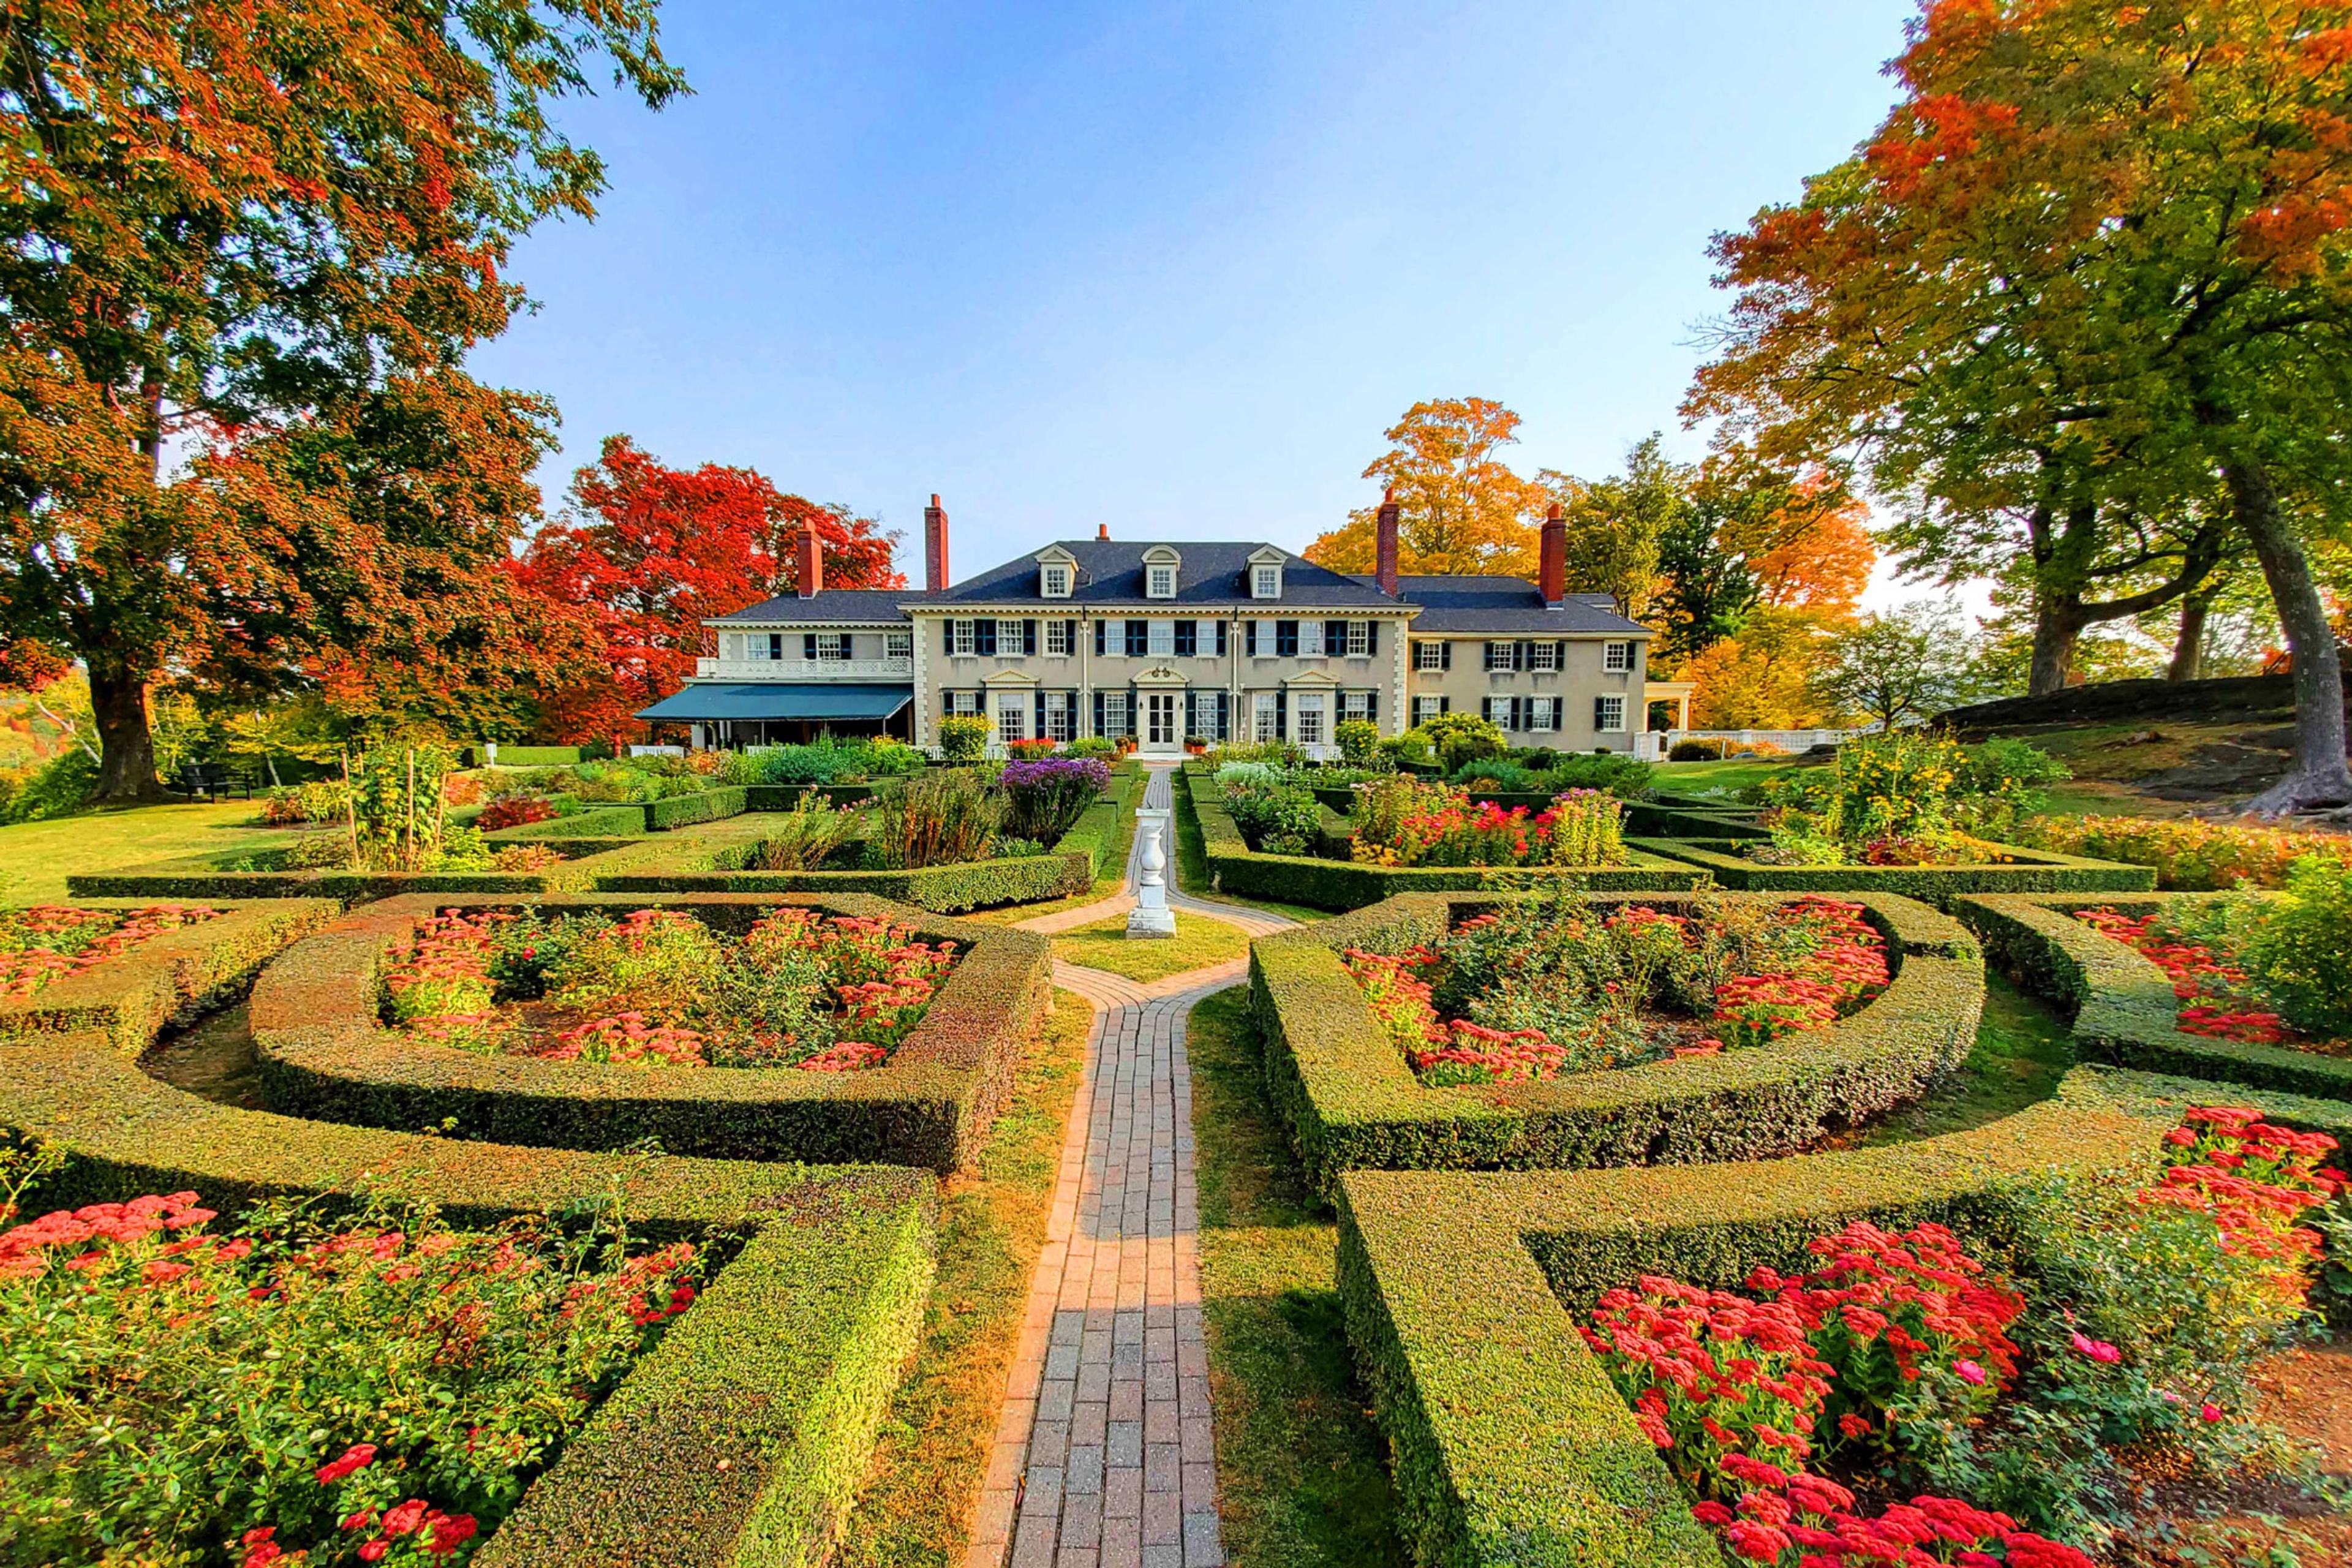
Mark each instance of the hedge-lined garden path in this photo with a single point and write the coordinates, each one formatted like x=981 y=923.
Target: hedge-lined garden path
x=1104 y=1454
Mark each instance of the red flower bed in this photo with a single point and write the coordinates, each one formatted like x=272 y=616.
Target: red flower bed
x=2211 y=991
x=513 y=811
x=1887 y=1339
x=50 y=941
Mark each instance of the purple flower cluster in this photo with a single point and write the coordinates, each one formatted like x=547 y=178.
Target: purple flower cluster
x=1057 y=773
x=1044 y=799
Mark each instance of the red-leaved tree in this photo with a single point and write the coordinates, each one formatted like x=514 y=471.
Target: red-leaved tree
x=652 y=551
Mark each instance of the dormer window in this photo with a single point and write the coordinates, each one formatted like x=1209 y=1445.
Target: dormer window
x=1058 y=580
x=1160 y=565
x=1058 y=573
x=1266 y=583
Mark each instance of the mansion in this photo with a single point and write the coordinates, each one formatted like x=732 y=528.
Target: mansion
x=1169 y=643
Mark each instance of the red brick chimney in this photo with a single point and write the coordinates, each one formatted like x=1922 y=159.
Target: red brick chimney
x=935 y=546
x=1384 y=568
x=1102 y=531
x=1553 y=572
x=808 y=561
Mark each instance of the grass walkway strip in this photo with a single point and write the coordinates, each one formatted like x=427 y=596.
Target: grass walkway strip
x=917 y=1511
x=1302 y=1474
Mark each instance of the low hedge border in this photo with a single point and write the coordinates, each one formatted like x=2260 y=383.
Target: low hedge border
x=168 y=978
x=1234 y=867
x=942 y=889
x=2121 y=1005
x=193 y=879
x=782 y=1370
x=1105 y=830
x=2037 y=871
x=1349 y=1100
x=1509 y=1443
x=324 y=1053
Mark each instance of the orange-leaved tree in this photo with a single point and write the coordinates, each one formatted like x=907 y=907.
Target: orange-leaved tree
x=224 y=219
x=1459 y=506
x=650 y=553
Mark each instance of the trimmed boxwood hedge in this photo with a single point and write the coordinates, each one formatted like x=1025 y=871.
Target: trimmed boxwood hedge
x=943 y=889
x=1350 y=1101
x=783 y=1368
x=195 y=880
x=2121 y=1005
x=1104 y=830
x=2036 y=871
x=1234 y=867
x=325 y=1053
x=1509 y=1443
x=168 y=978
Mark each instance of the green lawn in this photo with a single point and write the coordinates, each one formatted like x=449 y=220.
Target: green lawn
x=2021 y=1051
x=1302 y=1473
x=1738 y=772
x=1199 y=943
x=35 y=858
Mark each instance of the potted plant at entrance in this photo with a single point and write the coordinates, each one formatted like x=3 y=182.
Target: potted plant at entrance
x=1126 y=744
x=1196 y=744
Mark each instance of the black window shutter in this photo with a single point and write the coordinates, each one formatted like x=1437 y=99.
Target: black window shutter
x=1286 y=639
x=1220 y=639
x=1559 y=656
x=1596 y=711
x=1131 y=705
x=1372 y=706
x=947 y=636
x=1282 y=715
x=984 y=636
x=1098 y=701
x=1446 y=655
x=808 y=645
x=1444 y=704
x=1139 y=639
x=1039 y=732
x=1099 y=633
x=1372 y=639
x=1523 y=655
x=1249 y=638
x=1225 y=708
x=1187 y=638
x=1029 y=638
x=1335 y=638
x=1072 y=642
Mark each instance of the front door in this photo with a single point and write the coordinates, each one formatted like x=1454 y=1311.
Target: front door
x=1160 y=731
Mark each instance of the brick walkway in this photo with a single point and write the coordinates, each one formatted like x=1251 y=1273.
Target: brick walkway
x=1104 y=1454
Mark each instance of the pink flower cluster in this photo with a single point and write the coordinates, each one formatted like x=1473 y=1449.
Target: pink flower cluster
x=2255 y=1181
x=25 y=1249
x=2212 y=992
x=52 y=942
x=1848 y=964
x=627 y=1038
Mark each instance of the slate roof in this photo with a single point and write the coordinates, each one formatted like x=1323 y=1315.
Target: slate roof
x=839 y=607
x=1110 y=571
x=1512 y=605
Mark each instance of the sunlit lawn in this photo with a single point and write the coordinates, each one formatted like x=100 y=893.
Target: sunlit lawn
x=1199 y=943
x=35 y=858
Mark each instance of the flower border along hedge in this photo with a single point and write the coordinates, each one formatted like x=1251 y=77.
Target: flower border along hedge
x=741 y=1439
x=1657 y=816
x=2036 y=871
x=1350 y=1101
x=1510 y=1445
x=168 y=978
x=325 y=1053
x=1234 y=867
x=2121 y=1005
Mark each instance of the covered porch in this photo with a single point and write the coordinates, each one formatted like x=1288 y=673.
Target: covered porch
x=728 y=716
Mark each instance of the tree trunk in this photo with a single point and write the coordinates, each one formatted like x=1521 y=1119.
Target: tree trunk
x=126 y=765
x=2319 y=778
x=2057 y=628
x=2189 y=646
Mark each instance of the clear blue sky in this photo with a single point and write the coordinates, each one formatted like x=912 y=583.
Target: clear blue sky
x=1168 y=267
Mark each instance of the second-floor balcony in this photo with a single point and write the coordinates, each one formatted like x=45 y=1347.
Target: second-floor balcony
x=805 y=669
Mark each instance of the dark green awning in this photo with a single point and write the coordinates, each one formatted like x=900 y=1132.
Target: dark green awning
x=710 y=701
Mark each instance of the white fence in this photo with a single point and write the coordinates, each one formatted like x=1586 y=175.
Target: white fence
x=1654 y=744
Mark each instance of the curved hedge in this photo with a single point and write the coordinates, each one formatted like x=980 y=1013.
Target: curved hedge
x=1350 y=1101
x=325 y=1053
x=782 y=1369
x=1234 y=867
x=2121 y=1005
x=2035 y=871
x=168 y=978
x=1510 y=1445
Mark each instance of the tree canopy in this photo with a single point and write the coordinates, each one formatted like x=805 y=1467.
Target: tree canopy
x=1459 y=506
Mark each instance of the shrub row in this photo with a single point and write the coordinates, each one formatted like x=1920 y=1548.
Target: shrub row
x=1103 y=832
x=2188 y=855
x=2035 y=871
x=944 y=889
x=1350 y=1101
x=325 y=1053
x=1462 y=1293
x=1234 y=867
x=195 y=880
x=782 y=1369
x=2121 y=1005
x=170 y=978
x=613 y=821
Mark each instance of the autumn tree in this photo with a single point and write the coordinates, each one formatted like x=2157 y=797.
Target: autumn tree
x=223 y=219
x=1616 y=525
x=1906 y=664
x=2091 y=270
x=648 y=552
x=1460 y=509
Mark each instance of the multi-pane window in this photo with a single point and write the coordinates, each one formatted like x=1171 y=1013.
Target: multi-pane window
x=1355 y=705
x=1161 y=642
x=1266 y=583
x=831 y=645
x=1114 y=713
x=1609 y=714
x=1360 y=639
x=1058 y=580
x=1497 y=712
x=1307 y=723
x=963 y=704
x=1502 y=655
x=1008 y=636
x=1543 y=712
x=963 y=637
x=1543 y=656
x=1204 y=715
x=1263 y=716
x=1429 y=656
x=1058 y=638
x=1310 y=639
x=1424 y=709
x=1057 y=717
x=1011 y=715
x=1616 y=657
x=1163 y=583
x=1269 y=636
x=898 y=645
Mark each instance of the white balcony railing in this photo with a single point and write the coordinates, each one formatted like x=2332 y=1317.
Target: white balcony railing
x=804 y=669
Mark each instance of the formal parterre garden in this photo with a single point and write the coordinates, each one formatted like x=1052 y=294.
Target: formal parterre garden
x=52 y=942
